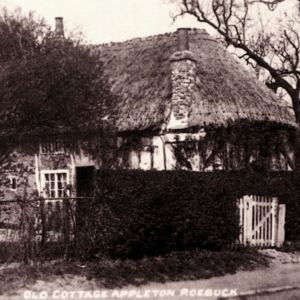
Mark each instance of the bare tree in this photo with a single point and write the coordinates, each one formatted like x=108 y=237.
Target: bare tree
x=276 y=51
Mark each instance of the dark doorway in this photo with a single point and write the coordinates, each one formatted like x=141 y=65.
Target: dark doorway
x=84 y=181
x=85 y=190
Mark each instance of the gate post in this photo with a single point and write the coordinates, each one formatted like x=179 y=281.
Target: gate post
x=274 y=221
x=43 y=222
x=66 y=226
x=240 y=205
x=248 y=202
x=281 y=223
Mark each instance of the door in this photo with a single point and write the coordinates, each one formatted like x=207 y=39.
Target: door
x=84 y=192
x=84 y=181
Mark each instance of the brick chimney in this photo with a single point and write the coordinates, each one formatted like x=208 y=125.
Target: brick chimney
x=59 y=27
x=183 y=76
x=183 y=39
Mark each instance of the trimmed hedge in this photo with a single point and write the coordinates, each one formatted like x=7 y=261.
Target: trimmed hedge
x=137 y=213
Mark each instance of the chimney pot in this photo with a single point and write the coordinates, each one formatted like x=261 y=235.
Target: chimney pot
x=183 y=39
x=59 y=27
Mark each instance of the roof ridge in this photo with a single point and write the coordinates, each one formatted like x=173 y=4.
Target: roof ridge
x=153 y=37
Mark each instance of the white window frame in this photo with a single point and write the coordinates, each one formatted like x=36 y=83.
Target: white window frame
x=43 y=180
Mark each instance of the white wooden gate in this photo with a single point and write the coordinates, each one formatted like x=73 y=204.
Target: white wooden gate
x=261 y=221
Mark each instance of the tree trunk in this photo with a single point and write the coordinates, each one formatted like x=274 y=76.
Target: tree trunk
x=296 y=104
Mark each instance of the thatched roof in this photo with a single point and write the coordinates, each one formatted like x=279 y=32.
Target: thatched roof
x=140 y=76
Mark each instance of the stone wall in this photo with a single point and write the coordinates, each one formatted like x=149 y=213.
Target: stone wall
x=21 y=167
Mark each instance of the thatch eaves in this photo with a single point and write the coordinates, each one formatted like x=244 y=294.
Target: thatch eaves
x=140 y=77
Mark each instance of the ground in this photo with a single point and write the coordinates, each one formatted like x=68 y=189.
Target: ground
x=59 y=276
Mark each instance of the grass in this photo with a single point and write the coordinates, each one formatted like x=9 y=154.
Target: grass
x=108 y=273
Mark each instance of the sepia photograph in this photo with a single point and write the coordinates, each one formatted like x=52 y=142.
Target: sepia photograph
x=150 y=149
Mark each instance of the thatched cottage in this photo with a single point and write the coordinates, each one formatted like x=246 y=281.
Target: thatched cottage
x=193 y=106
x=184 y=102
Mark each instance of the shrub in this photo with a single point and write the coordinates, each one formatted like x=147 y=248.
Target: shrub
x=137 y=213
x=148 y=213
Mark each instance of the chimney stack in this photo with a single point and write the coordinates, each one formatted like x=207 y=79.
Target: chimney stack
x=183 y=77
x=59 y=27
x=183 y=39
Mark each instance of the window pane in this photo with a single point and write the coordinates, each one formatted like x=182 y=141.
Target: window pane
x=14 y=183
x=60 y=193
x=63 y=177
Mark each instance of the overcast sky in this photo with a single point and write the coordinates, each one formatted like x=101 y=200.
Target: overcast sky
x=103 y=21
x=106 y=20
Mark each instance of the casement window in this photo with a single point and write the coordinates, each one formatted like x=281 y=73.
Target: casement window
x=141 y=158
x=54 y=147
x=54 y=183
